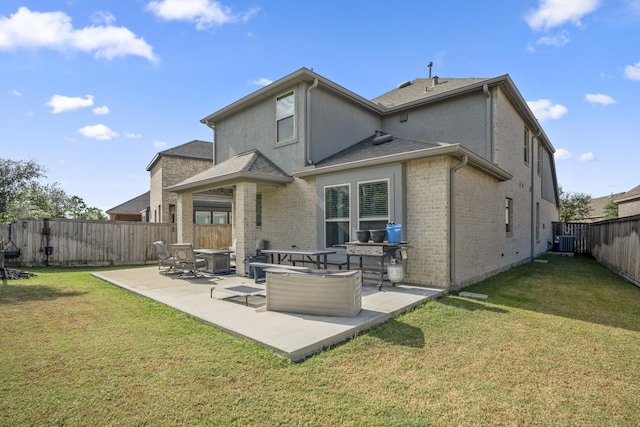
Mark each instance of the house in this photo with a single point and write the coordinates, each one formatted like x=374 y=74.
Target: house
x=462 y=164
x=629 y=202
x=136 y=209
x=597 y=207
x=169 y=167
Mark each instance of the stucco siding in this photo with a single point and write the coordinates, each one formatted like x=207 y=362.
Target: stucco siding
x=457 y=121
x=337 y=124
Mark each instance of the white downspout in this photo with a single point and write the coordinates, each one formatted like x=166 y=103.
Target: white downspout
x=452 y=222
x=533 y=195
x=489 y=114
x=307 y=126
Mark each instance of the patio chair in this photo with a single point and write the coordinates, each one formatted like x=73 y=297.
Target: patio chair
x=166 y=262
x=186 y=259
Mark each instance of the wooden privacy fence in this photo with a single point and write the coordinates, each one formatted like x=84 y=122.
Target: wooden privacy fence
x=83 y=242
x=616 y=244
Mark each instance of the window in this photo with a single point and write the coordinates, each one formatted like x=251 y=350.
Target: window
x=508 y=219
x=537 y=222
x=336 y=217
x=219 y=218
x=373 y=205
x=258 y=210
x=526 y=146
x=285 y=117
x=203 y=217
x=540 y=151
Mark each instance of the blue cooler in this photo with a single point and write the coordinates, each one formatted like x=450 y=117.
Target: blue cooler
x=394 y=233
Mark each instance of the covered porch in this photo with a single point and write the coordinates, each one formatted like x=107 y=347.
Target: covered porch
x=237 y=178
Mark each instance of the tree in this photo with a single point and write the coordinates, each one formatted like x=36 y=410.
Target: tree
x=23 y=196
x=574 y=206
x=15 y=175
x=611 y=210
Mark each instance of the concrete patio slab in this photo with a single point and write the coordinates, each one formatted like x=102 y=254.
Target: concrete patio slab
x=295 y=336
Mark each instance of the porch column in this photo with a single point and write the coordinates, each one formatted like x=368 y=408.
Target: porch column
x=244 y=222
x=184 y=218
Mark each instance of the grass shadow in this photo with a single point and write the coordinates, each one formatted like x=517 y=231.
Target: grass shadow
x=12 y=294
x=573 y=287
x=399 y=333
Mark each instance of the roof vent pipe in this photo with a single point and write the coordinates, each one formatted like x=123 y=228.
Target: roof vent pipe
x=381 y=138
x=434 y=81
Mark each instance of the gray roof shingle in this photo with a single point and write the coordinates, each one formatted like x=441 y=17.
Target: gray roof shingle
x=366 y=149
x=135 y=205
x=422 y=88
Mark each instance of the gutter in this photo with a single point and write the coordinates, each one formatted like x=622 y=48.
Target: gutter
x=449 y=149
x=452 y=223
x=307 y=121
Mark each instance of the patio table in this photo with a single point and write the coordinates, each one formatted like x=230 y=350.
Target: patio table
x=316 y=256
x=218 y=259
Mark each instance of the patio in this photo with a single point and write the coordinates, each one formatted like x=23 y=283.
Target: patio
x=294 y=336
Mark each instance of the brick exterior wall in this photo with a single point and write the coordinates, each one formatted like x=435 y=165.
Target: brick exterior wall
x=427 y=225
x=289 y=215
x=169 y=171
x=629 y=208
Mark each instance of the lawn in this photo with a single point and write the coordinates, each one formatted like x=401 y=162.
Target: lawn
x=556 y=343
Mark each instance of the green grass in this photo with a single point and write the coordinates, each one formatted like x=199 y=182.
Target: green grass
x=555 y=344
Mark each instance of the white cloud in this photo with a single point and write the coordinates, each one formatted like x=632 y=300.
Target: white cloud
x=101 y=110
x=554 y=13
x=632 y=72
x=261 y=81
x=99 y=132
x=205 y=13
x=132 y=135
x=103 y=18
x=555 y=41
x=159 y=144
x=14 y=92
x=544 y=109
x=61 y=103
x=53 y=30
x=598 y=98
x=586 y=157
x=562 y=154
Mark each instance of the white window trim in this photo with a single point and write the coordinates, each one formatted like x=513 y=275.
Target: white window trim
x=294 y=115
x=388 y=181
x=324 y=204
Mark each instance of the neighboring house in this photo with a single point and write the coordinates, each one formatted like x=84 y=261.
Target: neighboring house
x=462 y=164
x=597 y=207
x=629 y=203
x=169 y=167
x=136 y=209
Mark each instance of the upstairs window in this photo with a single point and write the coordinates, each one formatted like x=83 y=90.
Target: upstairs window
x=526 y=146
x=540 y=152
x=285 y=117
x=373 y=205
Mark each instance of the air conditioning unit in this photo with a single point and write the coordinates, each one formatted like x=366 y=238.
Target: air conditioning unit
x=565 y=243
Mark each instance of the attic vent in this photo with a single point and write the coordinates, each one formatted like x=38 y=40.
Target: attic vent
x=404 y=84
x=381 y=138
x=435 y=81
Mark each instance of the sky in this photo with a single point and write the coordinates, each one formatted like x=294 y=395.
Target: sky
x=92 y=90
